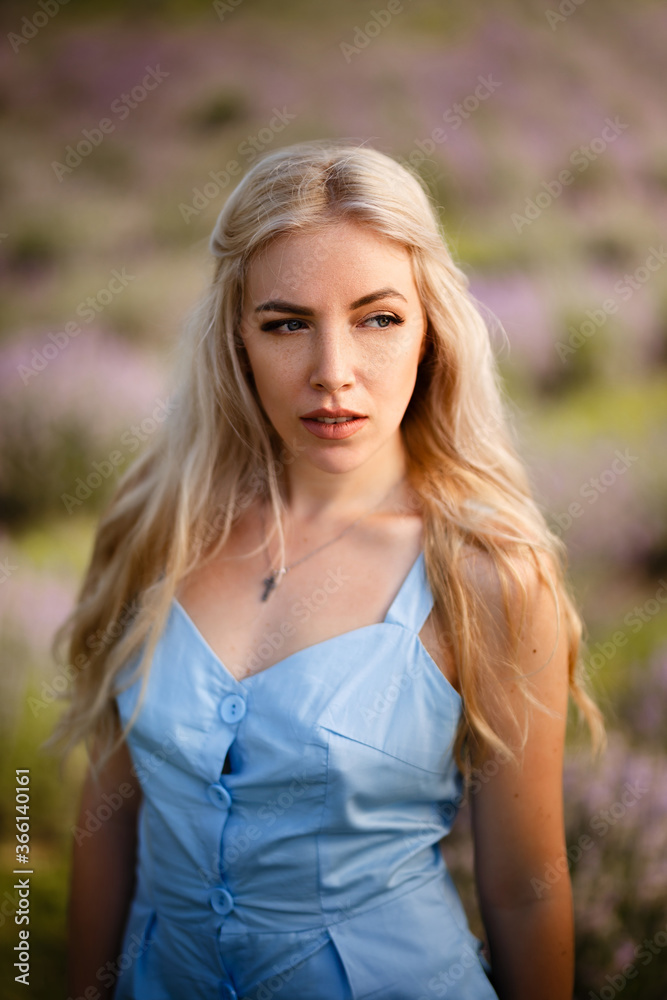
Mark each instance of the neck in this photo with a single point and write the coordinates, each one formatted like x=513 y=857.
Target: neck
x=312 y=495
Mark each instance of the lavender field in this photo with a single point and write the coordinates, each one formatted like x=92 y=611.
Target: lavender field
x=541 y=131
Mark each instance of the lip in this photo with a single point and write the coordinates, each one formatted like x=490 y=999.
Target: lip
x=334 y=432
x=331 y=413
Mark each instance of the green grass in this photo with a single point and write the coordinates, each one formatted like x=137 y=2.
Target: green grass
x=631 y=413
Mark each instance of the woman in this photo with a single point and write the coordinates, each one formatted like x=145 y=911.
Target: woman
x=343 y=600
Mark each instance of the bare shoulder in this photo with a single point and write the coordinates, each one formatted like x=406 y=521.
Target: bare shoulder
x=516 y=595
x=527 y=571
x=516 y=605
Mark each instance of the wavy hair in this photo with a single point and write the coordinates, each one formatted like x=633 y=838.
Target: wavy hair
x=216 y=450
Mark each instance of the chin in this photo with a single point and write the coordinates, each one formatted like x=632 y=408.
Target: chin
x=334 y=463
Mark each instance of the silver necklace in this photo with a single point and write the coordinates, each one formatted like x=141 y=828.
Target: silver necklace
x=275 y=576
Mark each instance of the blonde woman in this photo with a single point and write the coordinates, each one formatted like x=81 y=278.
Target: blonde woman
x=332 y=598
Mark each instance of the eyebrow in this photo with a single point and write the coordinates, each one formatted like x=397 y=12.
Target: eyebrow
x=279 y=305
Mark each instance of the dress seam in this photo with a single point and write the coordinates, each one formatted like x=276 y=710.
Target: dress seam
x=372 y=746
x=385 y=902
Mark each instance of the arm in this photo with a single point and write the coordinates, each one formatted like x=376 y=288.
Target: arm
x=102 y=879
x=518 y=828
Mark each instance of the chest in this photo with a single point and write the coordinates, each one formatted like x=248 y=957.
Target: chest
x=326 y=596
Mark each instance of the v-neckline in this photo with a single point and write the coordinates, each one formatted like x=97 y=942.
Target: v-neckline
x=316 y=645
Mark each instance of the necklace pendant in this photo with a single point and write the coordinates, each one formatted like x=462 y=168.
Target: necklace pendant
x=269 y=584
x=271 y=581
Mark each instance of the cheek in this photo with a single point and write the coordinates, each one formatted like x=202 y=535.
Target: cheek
x=277 y=378
x=392 y=367
x=262 y=362
x=398 y=379
x=280 y=369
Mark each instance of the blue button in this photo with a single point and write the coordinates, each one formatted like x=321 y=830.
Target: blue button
x=219 y=795
x=232 y=708
x=222 y=901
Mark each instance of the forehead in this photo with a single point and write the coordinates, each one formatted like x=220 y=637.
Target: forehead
x=344 y=253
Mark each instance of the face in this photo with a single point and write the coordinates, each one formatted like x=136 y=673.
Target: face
x=333 y=321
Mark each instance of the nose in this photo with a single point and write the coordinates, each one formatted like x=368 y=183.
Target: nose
x=332 y=365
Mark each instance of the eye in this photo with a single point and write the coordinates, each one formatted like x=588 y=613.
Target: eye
x=384 y=321
x=276 y=324
x=391 y=320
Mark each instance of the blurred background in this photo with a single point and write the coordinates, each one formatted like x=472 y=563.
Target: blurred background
x=540 y=131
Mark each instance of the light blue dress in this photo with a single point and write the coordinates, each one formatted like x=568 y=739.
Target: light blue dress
x=289 y=827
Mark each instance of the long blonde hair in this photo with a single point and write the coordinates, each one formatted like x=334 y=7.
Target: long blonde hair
x=215 y=451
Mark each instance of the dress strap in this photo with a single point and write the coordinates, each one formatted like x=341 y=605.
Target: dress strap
x=414 y=601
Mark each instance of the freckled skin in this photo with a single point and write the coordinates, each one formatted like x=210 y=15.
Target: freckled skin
x=337 y=357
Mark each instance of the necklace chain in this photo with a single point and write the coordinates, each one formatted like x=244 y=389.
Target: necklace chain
x=276 y=575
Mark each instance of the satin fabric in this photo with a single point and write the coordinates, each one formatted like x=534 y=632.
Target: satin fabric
x=289 y=827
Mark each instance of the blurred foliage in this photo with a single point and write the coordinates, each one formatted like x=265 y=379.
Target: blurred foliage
x=29 y=459
x=220 y=110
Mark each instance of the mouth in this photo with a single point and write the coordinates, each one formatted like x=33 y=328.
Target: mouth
x=331 y=420
x=336 y=427
x=331 y=415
